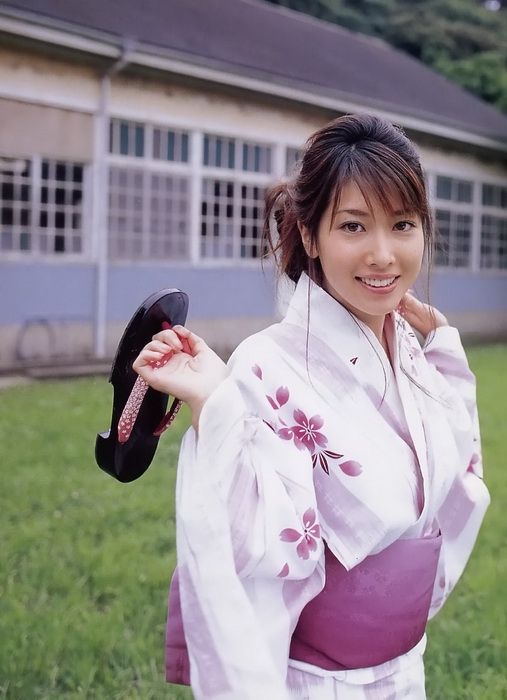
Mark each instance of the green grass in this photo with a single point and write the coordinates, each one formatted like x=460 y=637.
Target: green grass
x=85 y=562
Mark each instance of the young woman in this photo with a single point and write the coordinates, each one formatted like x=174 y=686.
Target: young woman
x=330 y=490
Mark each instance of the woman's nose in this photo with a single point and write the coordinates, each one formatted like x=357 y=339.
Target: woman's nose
x=380 y=253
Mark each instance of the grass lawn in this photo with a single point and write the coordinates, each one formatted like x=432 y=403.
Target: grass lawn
x=85 y=562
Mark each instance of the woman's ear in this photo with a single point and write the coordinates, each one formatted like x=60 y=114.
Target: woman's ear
x=309 y=245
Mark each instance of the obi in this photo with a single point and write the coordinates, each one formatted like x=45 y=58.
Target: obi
x=373 y=613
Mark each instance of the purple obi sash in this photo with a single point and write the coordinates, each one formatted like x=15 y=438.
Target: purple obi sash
x=363 y=617
x=373 y=613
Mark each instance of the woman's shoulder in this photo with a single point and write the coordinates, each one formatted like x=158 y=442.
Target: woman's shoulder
x=255 y=348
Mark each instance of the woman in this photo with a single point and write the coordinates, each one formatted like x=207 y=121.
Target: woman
x=329 y=492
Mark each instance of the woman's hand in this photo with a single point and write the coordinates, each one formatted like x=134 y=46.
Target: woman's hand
x=422 y=317
x=191 y=377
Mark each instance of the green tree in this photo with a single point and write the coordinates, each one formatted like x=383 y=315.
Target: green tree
x=458 y=38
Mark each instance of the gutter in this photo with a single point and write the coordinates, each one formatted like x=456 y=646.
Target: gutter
x=88 y=40
x=100 y=197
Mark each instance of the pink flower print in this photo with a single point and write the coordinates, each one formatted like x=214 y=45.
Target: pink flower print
x=305 y=432
x=283 y=571
x=307 y=540
x=321 y=458
x=282 y=396
x=351 y=468
x=257 y=371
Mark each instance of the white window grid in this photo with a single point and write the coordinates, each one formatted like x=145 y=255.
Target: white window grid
x=171 y=145
x=149 y=192
x=454 y=189
x=494 y=195
x=148 y=214
x=493 y=242
x=15 y=205
x=41 y=207
x=454 y=238
x=232 y=214
x=127 y=138
x=237 y=154
x=232 y=205
x=454 y=210
x=60 y=214
x=493 y=248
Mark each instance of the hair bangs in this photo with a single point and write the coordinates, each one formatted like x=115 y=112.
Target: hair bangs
x=383 y=179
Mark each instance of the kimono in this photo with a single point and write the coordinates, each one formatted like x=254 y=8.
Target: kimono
x=317 y=449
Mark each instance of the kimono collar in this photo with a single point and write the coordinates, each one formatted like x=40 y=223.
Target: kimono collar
x=334 y=324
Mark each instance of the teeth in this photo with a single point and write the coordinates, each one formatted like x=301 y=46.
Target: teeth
x=378 y=283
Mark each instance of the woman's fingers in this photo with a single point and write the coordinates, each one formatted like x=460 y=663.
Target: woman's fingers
x=170 y=338
x=423 y=317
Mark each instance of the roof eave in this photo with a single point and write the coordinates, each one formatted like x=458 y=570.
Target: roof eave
x=35 y=27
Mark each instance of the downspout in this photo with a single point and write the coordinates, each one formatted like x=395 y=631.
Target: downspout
x=100 y=197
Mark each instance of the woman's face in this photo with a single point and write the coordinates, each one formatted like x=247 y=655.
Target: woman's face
x=369 y=258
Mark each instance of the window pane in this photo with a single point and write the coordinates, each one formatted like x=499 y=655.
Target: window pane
x=494 y=196
x=231 y=219
x=148 y=215
x=464 y=191
x=15 y=191
x=218 y=152
x=60 y=208
x=453 y=240
x=444 y=187
x=493 y=242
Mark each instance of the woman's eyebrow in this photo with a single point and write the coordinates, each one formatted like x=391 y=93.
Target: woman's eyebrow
x=360 y=212
x=354 y=212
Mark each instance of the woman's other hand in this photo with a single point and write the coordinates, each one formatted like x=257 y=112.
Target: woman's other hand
x=422 y=317
x=189 y=376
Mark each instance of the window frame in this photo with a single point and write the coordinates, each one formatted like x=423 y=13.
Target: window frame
x=475 y=208
x=36 y=207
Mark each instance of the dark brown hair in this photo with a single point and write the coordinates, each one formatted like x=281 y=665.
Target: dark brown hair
x=360 y=148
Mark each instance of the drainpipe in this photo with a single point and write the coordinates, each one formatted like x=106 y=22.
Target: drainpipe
x=100 y=189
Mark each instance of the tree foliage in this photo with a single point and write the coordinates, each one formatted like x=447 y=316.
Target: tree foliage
x=459 y=38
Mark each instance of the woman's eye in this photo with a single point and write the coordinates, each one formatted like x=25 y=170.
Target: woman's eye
x=353 y=227
x=404 y=226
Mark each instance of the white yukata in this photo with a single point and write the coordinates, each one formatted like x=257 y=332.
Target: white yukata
x=314 y=437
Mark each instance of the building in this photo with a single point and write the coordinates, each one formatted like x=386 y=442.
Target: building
x=137 y=141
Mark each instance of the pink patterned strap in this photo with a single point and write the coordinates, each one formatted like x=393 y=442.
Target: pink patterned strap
x=134 y=401
x=131 y=409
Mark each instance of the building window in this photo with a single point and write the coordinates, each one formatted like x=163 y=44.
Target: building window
x=493 y=242
x=494 y=196
x=148 y=215
x=170 y=145
x=149 y=199
x=15 y=199
x=454 y=221
x=231 y=219
x=60 y=211
x=236 y=154
x=232 y=207
x=494 y=227
x=219 y=152
x=126 y=138
x=453 y=238
x=453 y=189
x=41 y=206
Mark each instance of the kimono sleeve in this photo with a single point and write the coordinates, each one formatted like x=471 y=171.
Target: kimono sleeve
x=461 y=514
x=445 y=354
x=248 y=540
